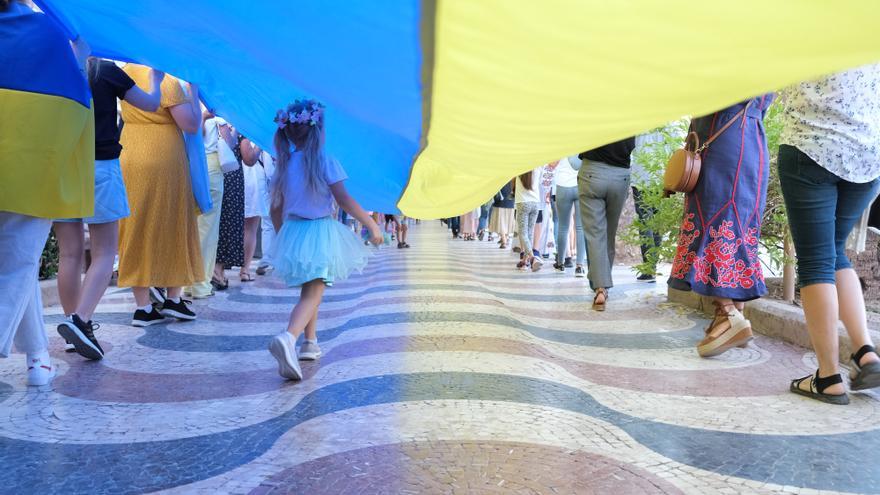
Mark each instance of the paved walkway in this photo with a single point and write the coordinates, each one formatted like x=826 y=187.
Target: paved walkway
x=445 y=371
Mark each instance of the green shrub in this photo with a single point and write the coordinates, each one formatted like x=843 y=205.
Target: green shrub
x=49 y=258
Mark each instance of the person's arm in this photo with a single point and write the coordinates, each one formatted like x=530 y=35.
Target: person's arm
x=347 y=203
x=147 y=101
x=188 y=116
x=249 y=152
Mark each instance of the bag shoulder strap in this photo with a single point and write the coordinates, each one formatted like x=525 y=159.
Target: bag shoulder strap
x=738 y=116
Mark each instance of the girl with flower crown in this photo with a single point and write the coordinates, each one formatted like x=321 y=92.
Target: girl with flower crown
x=312 y=250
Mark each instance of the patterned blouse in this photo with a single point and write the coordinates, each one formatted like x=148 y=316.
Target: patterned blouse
x=835 y=120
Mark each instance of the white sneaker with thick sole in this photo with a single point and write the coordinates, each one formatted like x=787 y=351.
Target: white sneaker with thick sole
x=283 y=349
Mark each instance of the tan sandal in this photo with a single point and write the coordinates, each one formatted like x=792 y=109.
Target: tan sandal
x=729 y=329
x=600 y=306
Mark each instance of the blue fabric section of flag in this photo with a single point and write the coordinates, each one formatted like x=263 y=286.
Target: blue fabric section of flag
x=42 y=63
x=361 y=58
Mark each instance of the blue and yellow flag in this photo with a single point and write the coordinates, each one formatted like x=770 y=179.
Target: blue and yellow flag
x=433 y=104
x=47 y=141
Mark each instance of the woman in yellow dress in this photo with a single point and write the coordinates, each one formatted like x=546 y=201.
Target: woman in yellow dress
x=159 y=242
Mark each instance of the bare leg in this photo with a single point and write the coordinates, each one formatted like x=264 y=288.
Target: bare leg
x=821 y=311
x=141 y=296
x=312 y=327
x=104 y=239
x=724 y=306
x=307 y=307
x=251 y=226
x=851 y=304
x=403 y=229
x=71 y=246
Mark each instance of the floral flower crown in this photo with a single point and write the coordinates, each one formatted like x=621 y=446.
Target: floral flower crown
x=304 y=112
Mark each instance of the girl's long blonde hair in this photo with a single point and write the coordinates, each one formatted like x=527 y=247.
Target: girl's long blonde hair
x=300 y=125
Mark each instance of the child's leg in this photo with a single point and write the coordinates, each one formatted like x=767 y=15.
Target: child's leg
x=312 y=327
x=306 y=309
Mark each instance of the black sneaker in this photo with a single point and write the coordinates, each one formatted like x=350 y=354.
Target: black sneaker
x=81 y=335
x=144 y=319
x=179 y=310
x=646 y=278
x=559 y=268
x=157 y=295
x=568 y=263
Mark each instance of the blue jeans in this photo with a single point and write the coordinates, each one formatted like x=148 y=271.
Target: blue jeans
x=822 y=211
x=645 y=213
x=566 y=200
x=485 y=210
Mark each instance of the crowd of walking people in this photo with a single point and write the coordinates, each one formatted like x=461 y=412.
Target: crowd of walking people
x=829 y=164
x=127 y=181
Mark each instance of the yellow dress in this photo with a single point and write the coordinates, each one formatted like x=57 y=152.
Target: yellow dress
x=159 y=242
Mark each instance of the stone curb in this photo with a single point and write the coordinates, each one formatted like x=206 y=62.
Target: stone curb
x=49 y=290
x=776 y=319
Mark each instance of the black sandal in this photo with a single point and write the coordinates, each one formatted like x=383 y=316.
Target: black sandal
x=864 y=377
x=817 y=389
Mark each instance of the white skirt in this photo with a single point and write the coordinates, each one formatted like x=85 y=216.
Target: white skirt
x=253 y=195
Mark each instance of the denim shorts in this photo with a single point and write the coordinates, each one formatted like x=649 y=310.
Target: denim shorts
x=822 y=211
x=111 y=200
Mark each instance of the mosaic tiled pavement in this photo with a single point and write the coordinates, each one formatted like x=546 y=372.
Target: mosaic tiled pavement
x=445 y=371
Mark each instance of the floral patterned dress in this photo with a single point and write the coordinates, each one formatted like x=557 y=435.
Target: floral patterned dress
x=718 y=245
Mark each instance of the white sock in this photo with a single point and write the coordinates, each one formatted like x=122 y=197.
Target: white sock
x=175 y=300
x=148 y=308
x=312 y=341
x=42 y=356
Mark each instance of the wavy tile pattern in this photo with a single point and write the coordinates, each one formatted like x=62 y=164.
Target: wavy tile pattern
x=445 y=371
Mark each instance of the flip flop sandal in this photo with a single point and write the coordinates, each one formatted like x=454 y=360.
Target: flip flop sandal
x=867 y=376
x=817 y=389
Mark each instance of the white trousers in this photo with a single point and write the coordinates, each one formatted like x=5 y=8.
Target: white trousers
x=22 y=239
x=209 y=228
x=267 y=233
x=267 y=230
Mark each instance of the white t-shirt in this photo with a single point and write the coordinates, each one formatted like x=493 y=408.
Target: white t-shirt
x=548 y=184
x=566 y=174
x=836 y=122
x=212 y=133
x=301 y=200
x=524 y=195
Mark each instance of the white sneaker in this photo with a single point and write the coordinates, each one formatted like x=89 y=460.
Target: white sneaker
x=309 y=351
x=283 y=349
x=40 y=372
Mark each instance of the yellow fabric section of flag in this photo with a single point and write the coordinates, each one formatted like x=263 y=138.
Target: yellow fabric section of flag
x=518 y=83
x=47 y=155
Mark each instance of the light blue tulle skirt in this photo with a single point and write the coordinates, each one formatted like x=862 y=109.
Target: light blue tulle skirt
x=321 y=249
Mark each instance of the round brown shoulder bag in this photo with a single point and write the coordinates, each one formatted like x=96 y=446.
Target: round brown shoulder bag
x=684 y=166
